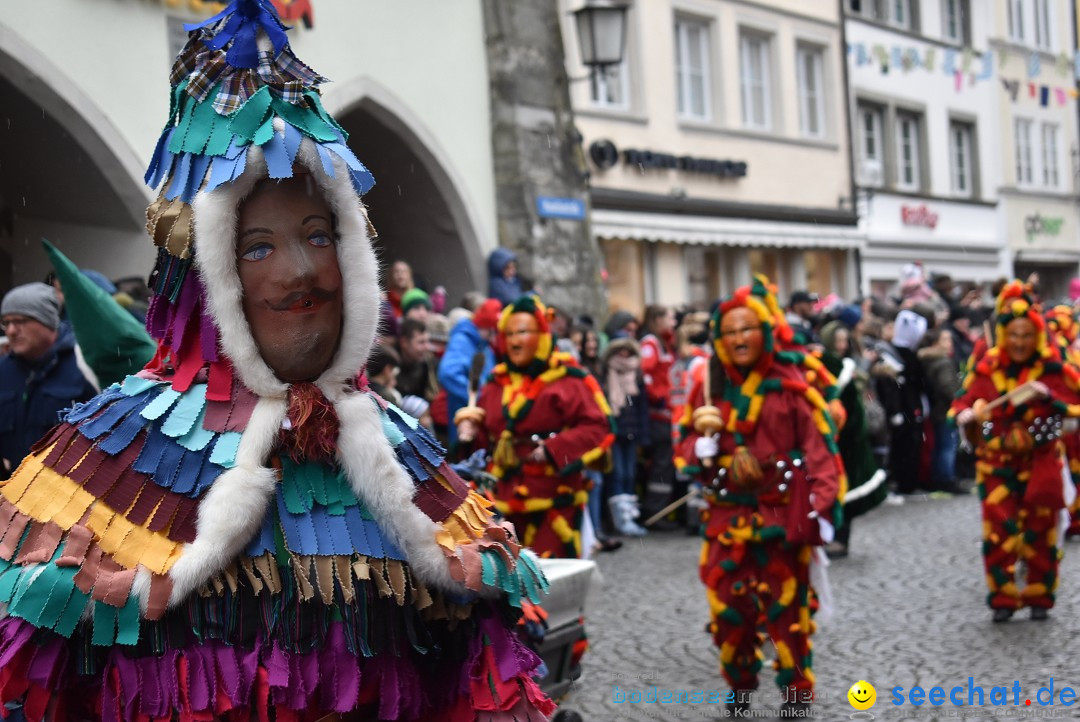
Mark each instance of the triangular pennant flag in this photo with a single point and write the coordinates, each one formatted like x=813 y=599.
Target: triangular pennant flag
x=1034 y=65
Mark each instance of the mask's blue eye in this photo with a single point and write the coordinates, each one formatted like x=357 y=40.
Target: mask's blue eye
x=319 y=239
x=258 y=252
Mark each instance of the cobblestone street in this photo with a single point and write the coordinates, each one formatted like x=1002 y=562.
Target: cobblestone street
x=910 y=610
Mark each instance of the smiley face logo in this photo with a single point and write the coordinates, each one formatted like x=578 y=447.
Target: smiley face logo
x=862 y=695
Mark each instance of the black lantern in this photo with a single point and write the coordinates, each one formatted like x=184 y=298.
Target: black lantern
x=601 y=28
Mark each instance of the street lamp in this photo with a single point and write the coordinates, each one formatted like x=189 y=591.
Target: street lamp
x=601 y=28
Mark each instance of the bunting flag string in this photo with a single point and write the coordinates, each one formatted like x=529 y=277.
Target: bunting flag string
x=978 y=68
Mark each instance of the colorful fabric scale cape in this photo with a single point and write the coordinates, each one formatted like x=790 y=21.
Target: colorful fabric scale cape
x=559 y=401
x=204 y=541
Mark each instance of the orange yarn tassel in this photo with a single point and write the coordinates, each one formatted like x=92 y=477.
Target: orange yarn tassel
x=314 y=422
x=745 y=469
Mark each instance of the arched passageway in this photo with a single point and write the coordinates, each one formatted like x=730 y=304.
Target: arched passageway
x=65 y=174
x=419 y=214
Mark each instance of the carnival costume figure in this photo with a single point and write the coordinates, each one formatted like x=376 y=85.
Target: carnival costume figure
x=1062 y=325
x=1012 y=409
x=764 y=443
x=241 y=530
x=545 y=419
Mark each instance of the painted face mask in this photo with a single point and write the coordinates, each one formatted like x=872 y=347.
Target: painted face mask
x=1021 y=340
x=522 y=338
x=526 y=345
x=291 y=280
x=745 y=328
x=1020 y=329
x=742 y=337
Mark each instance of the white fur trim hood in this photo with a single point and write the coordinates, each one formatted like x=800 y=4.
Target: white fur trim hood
x=215 y=258
x=234 y=506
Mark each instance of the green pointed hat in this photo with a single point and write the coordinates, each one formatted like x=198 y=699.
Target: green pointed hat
x=112 y=341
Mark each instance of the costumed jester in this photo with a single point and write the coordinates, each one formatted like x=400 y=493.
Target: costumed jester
x=764 y=443
x=1061 y=324
x=546 y=420
x=239 y=531
x=1012 y=408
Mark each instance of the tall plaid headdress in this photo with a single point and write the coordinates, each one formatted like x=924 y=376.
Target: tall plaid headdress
x=243 y=108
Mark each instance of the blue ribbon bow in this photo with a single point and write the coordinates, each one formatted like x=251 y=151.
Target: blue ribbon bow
x=245 y=19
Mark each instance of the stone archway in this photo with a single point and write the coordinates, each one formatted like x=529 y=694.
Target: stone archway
x=415 y=206
x=65 y=173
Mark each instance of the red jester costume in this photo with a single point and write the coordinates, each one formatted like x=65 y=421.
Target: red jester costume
x=1063 y=328
x=764 y=446
x=1020 y=453
x=546 y=419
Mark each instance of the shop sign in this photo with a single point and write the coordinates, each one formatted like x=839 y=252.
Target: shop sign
x=919 y=215
x=1038 y=225
x=572 y=209
x=605 y=155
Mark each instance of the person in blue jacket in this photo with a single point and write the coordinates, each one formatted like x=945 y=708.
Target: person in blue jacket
x=469 y=336
x=504 y=283
x=40 y=376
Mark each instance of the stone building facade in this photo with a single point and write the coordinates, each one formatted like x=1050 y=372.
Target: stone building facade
x=719 y=148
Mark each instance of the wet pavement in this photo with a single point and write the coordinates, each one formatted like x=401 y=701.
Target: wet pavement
x=909 y=610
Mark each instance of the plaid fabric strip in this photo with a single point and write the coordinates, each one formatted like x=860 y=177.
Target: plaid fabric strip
x=266 y=67
x=235 y=91
x=185 y=63
x=292 y=92
x=288 y=76
x=292 y=67
x=209 y=67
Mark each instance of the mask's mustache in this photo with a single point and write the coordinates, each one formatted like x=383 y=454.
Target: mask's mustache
x=319 y=294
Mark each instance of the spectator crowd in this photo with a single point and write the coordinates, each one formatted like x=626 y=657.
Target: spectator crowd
x=904 y=357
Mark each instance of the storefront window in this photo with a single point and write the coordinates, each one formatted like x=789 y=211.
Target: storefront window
x=1054 y=278
x=705 y=275
x=767 y=261
x=882 y=289
x=822 y=271
x=625 y=265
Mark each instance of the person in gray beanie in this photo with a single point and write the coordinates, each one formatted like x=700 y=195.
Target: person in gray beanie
x=34 y=300
x=40 y=376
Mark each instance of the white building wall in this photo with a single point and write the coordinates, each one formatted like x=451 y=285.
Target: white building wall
x=787 y=172
x=784 y=167
x=1039 y=220
x=935 y=95
x=966 y=241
